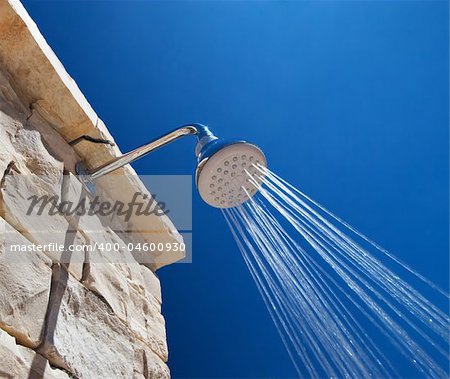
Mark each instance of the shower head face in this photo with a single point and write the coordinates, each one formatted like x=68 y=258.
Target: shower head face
x=230 y=176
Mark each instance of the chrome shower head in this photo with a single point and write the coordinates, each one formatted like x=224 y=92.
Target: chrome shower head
x=228 y=172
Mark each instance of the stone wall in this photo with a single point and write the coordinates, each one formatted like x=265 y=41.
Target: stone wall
x=66 y=315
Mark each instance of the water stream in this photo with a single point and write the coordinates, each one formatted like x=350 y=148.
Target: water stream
x=339 y=301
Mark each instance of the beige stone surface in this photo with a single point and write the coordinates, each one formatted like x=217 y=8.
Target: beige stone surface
x=24 y=288
x=131 y=303
x=132 y=291
x=8 y=129
x=118 y=186
x=44 y=228
x=83 y=333
x=147 y=365
x=10 y=102
x=114 y=229
x=29 y=147
x=100 y=318
x=54 y=143
x=19 y=362
x=150 y=282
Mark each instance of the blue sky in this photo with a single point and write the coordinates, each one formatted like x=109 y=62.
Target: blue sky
x=348 y=99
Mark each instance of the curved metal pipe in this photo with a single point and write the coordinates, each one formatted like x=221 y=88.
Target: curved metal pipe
x=185 y=130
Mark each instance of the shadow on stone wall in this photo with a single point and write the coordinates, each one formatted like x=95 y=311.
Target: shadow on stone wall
x=60 y=276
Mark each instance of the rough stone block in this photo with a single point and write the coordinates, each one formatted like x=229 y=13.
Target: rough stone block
x=147 y=364
x=20 y=362
x=131 y=290
x=53 y=141
x=25 y=279
x=80 y=331
x=123 y=288
x=8 y=128
x=44 y=228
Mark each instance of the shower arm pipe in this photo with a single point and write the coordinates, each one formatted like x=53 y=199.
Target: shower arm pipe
x=199 y=130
